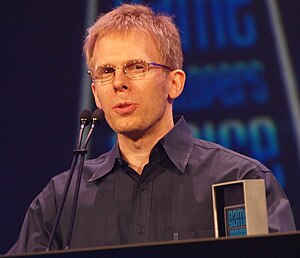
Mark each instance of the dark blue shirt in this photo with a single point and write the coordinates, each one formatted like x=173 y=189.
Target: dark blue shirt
x=170 y=200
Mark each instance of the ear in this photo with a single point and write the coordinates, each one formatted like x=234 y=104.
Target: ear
x=177 y=81
x=97 y=101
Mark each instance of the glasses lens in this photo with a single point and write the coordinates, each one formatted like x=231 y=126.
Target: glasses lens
x=103 y=73
x=135 y=69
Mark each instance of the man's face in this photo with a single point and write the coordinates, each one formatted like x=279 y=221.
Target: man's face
x=133 y=107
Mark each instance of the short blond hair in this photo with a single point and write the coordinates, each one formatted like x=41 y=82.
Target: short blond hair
x=141 y=19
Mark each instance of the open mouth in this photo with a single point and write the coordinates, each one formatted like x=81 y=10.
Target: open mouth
x=125 y=108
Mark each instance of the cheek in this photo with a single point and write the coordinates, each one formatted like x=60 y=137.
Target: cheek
x=157 y=86
x=103 y=97
x=157 y=99
x=160 y=93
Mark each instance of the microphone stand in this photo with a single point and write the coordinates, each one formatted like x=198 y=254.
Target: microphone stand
x=96 y=117
x=84 y=121
x=82 y=152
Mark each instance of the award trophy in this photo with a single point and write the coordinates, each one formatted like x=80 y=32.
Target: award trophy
x=240 y=208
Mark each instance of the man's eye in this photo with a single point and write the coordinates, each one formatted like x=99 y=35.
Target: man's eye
x=136 y=67
x=106 y=70
x=103 y=71
x=139 y=66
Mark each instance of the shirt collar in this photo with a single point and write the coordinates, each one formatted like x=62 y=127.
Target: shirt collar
x=105 y=163
x=178 y=144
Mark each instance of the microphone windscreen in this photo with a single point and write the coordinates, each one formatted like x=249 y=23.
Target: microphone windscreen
x=98 y=116
x=85 y=117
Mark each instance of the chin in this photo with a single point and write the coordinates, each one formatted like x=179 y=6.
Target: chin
x=132 y=131
x=124 y=123
x=123 y=128
x=127 y=130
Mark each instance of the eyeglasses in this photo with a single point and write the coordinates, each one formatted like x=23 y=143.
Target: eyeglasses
x=133 y=69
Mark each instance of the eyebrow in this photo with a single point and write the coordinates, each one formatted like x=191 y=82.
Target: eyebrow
x=110 y=64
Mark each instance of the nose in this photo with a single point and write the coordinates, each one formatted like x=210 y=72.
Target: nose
x=120 y=81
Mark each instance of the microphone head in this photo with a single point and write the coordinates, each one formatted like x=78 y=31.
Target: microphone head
x=85 y=117
x=98 y=116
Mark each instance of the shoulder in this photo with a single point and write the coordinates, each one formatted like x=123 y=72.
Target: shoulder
x=58 y=182
x=219 y=159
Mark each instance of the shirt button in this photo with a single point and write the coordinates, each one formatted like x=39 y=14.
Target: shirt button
x=120 y=162
x=141 y=230
x=143 y=186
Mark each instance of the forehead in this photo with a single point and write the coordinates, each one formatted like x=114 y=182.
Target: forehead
x=117 y=48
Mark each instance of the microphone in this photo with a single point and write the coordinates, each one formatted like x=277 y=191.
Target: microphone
x=97 y=117
x=85 y=119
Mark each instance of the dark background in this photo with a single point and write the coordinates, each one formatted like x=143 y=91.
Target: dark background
x=41 y=80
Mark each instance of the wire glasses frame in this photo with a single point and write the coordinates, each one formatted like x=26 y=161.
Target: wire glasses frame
x=133 y=69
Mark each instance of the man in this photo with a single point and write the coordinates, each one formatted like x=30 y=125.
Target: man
x=155 y=184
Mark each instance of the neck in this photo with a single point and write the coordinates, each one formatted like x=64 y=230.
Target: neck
x=136 y=150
